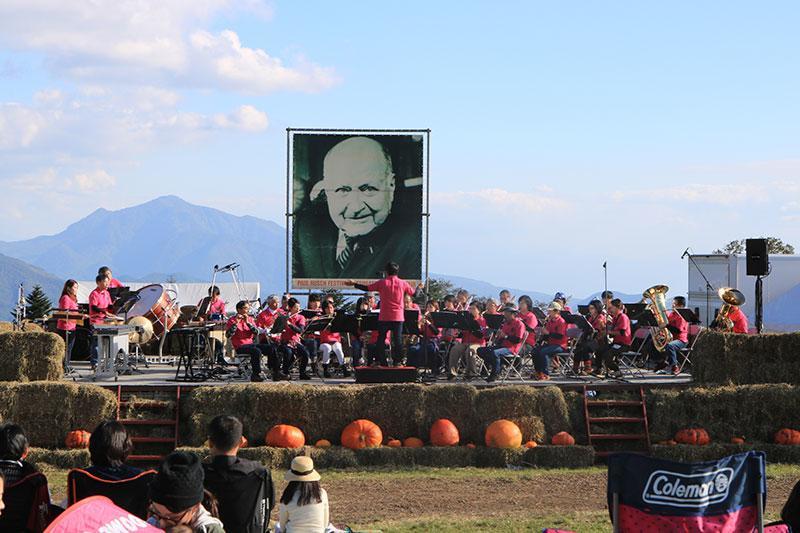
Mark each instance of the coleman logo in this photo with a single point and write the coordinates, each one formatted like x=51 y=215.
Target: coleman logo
x=687 y=490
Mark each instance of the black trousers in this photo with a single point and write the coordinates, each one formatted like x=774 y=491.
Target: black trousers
x=255 y=351
x=290 y=353
x=396 y=329
x=609 y=355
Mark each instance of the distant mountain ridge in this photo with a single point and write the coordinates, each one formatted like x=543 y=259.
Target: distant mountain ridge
x=13 y=272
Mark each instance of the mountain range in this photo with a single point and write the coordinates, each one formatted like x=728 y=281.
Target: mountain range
x=168 y=239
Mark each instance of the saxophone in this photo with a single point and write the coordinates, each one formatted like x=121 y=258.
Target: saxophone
x=658 y=306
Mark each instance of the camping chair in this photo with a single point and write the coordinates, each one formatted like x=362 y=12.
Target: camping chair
x=629 y=361
x=694 y=333
x=129 y=494
x=648 y=494
x=236 y=493
x=512 y=364
x=27 y=504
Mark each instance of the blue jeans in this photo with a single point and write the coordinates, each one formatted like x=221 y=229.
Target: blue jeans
x=356 y=347
x=396 y=329
x=424 y=354
x=492 y=356
x=672 y=350
x=94 y=350
x=541 y=361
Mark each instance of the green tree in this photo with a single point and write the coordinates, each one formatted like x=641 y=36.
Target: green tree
x=439 y=288
x=37 y=304
x=339 y=300
x=774 y=246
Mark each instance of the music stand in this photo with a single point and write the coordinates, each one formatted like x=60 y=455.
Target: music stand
x=634 y=310
x=344 y=323
x=446 y=319
x=539 y=314
x=688 y=315
x=369 y=322
x=194 y=349
x=317 y=324
x=583 y=309
x=581 y=322
x=493 y=322
x=310 y=314
x=279 y=325
x=411 y=322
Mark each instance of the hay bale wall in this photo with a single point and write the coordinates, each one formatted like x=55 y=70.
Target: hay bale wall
x=461 y=456
x=726 y=358
x=28 y=356
x=754 y=412
x=691 y=454
x=48 y=411
x=6 y=326
x=401 y=411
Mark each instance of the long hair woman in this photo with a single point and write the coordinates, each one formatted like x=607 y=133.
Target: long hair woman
x=304 y=503
x=66 y=328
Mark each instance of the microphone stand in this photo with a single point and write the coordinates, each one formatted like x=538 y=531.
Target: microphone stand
x=708 y=286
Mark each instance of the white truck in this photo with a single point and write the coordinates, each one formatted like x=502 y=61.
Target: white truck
x=781 y=288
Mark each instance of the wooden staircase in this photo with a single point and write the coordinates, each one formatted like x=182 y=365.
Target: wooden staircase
x=150 y=415
x=616 y=420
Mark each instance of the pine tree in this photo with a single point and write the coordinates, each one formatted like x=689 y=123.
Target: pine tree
x=37 y=303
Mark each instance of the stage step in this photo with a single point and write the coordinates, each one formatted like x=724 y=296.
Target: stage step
x=618 y=423
x=151 y=417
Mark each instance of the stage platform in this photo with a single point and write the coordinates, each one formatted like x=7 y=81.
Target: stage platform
x=161 y=374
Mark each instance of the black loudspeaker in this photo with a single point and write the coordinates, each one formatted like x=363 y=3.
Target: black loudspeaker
x=757 y=257
x=384 y=374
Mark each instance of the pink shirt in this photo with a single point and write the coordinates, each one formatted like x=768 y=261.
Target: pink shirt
x=515 y=328
x=621 y=330
x=114 y=284
x=66 y=302
x=557 y=325
x=739 y=321
x=529 y=319
x=392 y=290
x=266 y=319
x=99 y=303
x=243 y=335
x=470 y=338
x=290 y=336
x=329 y=337
x=678 y=322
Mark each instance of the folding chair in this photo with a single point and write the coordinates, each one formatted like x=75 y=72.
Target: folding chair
x=129 y=494
x=566 y=359
x=238 y=491
x=512 y=364
x=27 y=504
x=694 y=333
x=628 y=360
x=646 y=494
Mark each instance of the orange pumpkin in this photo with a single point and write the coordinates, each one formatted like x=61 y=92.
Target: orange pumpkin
x=362 y=434
x=471 y=446
x=285 y=436
x=787 y=436
x=693 y=436
x=531 y=444
x=323 y=443
x=503 y=434
x=413 y=442
x=563 y=438
x=78 y=438
x=737 y=440
x=444 y=433
x=394 y=443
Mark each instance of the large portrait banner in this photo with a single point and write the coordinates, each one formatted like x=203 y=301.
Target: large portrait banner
x=356 y=204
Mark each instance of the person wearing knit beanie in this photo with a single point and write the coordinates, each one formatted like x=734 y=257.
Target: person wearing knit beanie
x=176 y=495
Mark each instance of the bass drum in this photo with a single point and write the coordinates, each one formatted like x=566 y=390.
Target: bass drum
x=155 y=304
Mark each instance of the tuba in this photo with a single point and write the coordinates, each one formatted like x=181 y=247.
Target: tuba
x=730 y=297
x=658 y=306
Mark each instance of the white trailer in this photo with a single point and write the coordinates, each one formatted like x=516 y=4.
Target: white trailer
x=781 y=288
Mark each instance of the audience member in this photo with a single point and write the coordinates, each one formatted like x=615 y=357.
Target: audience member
x=176 y=495
x=13 y=451
x=244 y=490
x=109 y=448
x=304 y=504
x=2 y=490
x=33 y=513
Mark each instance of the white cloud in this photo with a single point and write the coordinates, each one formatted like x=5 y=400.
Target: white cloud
x=715 y=194
x=499 y=199
x=152 y=42
x=19 y=126
x=245 y=118
x=93 y=181
x=50 y=181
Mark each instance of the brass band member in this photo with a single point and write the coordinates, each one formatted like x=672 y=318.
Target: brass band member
x=679 y=328
x=462 y=300
x=241 y=329
x=591 y=340
x=555 y=331
x=620 y=332
x=99 y=312
x=266 y=319
x=106 y=272
x=409 y=304
x=291 y=346
x=69 y=301
x=425 y=352
x=507 y=342
x=491 y=307
x=467 y=348
x=331 y=342
x=739 y=320
x=357 y=339
x=530 y=321
x=505 y=298
x=214 y=305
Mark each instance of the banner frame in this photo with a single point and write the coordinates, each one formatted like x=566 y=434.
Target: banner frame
x=425 y=132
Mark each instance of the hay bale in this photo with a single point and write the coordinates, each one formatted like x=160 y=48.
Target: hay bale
x=498 y=457
x=397 y=409
x=450 y=457
x=334 y=457
x=755 y=412
x=329 y=410
x=6 y=326
x=520 y=403
x=59 y=458
x=727 y=358
x=31 y=356
x=453 y=402
x=577 y=416
x=48 y=411
x=559 y=456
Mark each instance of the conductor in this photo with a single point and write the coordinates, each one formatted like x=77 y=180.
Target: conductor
x=392 y=291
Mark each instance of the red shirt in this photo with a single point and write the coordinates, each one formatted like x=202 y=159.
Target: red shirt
x=216 y=307
x=678 y=322
x=373 y=338
x=99 y=303
x=329 y=337
x=266 y=319
x=243 y=335
x=66 y=302
x=470 y=338
x=739 y=321
x=529 y=319
x=290 y=336
x=114 y=284
x=557 y=325
x=622 y=330
x=599 y=322
x=391 y=290
x=515 y=328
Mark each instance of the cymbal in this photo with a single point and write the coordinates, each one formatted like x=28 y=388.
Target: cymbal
x=147 y=330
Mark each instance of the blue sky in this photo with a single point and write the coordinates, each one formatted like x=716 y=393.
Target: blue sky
x=562 y=135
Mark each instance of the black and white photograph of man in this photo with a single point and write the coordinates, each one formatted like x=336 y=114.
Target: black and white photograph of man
x=357 y=205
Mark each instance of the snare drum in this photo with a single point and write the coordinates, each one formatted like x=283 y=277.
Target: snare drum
x=155 y=304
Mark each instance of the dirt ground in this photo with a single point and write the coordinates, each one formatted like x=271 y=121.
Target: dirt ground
x=373 y=500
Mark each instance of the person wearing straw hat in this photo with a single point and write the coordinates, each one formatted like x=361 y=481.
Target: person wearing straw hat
x=304 y=504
